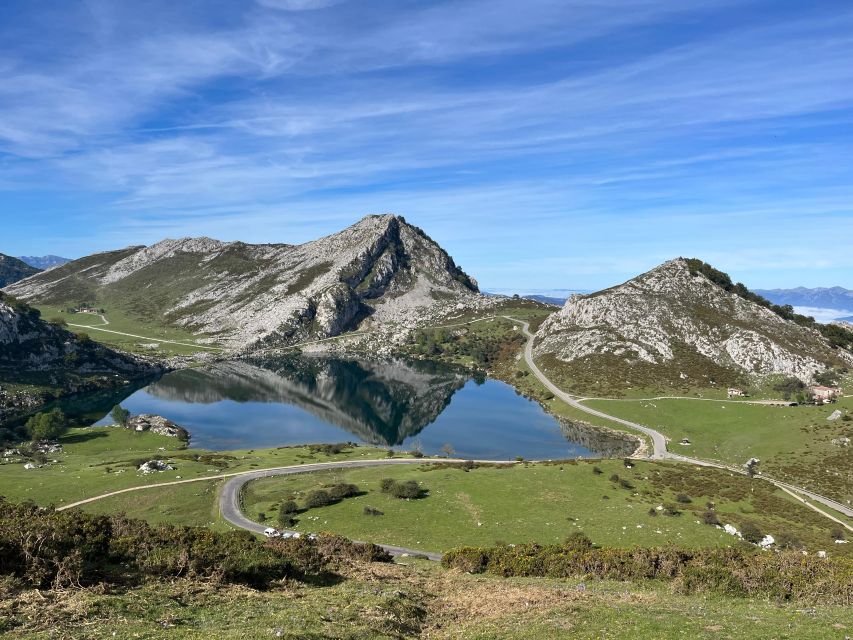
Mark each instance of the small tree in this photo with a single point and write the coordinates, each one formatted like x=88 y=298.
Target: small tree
x=288 y=507
x=343 y=490
x=751 y=532
x=317 y=498
x=710 y=517
x=46 y=426
x=447 y=449
x=120 y=415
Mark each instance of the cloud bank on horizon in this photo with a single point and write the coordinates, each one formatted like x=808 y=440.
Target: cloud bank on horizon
x=544 y=144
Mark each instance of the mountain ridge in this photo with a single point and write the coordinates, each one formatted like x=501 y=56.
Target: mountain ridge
x=381 y=269
x=818 y=297
x=13 y=270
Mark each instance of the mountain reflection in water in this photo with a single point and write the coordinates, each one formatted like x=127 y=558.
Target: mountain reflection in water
x=242 y=404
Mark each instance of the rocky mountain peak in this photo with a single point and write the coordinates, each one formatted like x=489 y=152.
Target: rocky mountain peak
x=681 y=320
x=381 y=269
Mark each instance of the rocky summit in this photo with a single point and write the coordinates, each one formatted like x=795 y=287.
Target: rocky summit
x=674 y=324
x=377 y=272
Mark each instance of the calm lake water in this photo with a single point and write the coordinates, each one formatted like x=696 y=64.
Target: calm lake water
x=400 y=404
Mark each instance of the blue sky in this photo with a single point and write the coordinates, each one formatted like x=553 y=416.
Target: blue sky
x=546 y=144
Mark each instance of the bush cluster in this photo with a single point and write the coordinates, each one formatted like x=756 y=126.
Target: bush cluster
x=46 y=548
x=330 y=495
x=331 y=449
x=408 y=490
x=740 y=571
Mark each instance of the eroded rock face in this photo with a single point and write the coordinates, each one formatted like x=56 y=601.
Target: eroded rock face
x=667 y=315
x=155 y=466
x=157 y=424
x=381 y=272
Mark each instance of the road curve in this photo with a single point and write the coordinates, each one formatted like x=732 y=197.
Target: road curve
x=659 y=440
x=230 y=496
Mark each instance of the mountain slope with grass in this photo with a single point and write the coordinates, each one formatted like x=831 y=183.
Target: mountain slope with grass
x=682 y=324
x=12 y=270
x=380 y=271
x=40 y=361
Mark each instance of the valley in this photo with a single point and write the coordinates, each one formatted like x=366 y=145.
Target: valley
x=608 y=414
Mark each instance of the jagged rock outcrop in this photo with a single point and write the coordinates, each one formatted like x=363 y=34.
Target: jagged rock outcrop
x=675 y=324
x=12 y=270
x=159 y=425
x=380 y=271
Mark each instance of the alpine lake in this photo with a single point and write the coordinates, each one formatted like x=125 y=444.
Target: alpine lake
x=397 y=404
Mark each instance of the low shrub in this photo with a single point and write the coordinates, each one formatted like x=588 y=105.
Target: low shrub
x=738 y=571
x=407 y=490
x=671 y=510
x=710 y=517
x=45 y=548
x=288 y=506
x=343 y=490
x=683 y=498
x=750 y=532
x=787 y=540
x=318 y=498
x=597 y=471
x=331 y=449
x=373 y=511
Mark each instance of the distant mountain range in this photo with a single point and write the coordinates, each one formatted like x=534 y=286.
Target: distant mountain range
x=681 y=324
x=44 y=262
x=381 y=269
x=820 y=297
x=12 y=270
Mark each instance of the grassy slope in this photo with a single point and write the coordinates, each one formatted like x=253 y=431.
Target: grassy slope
x=121 y=321
x=543 y=503
x=793 y=443
x=97 y=460
x=418 y=600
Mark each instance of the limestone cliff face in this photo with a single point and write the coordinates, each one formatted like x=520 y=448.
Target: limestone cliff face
x=380 y=270
x=673 y=318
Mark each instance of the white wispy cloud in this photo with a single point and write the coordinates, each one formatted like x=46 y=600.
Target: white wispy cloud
x=300 y=115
